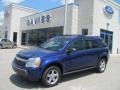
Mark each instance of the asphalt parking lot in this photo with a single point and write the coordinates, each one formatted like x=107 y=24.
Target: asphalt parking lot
x=87 y=80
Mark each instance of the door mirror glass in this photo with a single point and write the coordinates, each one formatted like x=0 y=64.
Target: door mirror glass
x=71 y=50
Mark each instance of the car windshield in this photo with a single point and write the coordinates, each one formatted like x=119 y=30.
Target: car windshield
x=54 y=44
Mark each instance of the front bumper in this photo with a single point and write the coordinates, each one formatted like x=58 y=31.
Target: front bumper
x=31 y=74
x=19 y=71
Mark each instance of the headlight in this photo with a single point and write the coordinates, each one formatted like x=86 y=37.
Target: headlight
x=33 y=62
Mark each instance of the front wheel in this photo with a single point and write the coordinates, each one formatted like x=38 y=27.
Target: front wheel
x=51 y=76
x=102 y=65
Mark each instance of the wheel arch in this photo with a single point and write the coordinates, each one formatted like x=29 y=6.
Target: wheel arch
x=104 y=57
x=57 y=64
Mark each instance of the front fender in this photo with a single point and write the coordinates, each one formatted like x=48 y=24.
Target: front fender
x=51 y=62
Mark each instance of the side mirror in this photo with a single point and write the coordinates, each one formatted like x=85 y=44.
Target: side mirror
x=70 y=50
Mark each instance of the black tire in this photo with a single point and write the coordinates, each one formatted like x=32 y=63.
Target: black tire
x=47 y=71
x=101 y=65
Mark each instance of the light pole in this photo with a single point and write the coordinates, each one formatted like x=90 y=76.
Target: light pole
x=65 y=17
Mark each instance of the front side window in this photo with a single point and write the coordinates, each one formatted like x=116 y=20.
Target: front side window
x=54 y=44
x=77 y=45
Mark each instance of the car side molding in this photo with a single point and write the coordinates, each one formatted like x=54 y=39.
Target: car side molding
x=78 y=70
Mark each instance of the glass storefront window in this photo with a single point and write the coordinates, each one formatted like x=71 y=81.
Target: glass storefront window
x=38 y=36
x=107 y=37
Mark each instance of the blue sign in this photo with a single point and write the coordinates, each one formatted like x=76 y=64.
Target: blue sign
x=109 y=10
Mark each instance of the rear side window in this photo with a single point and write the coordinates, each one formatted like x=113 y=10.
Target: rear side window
x=89 y=44
x=102 y=43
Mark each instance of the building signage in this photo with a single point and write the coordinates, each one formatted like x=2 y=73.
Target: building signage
x=109 y=10
x=39 y=19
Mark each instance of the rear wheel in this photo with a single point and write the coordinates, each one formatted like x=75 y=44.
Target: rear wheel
x=101 y=65
x=51 y=76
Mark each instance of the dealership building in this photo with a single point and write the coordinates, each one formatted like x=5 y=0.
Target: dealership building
x=28 y=26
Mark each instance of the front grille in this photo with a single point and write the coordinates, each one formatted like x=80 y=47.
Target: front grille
x=20 y=61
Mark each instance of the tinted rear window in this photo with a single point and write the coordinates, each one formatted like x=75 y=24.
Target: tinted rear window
x=89 y=44
x=102 y=43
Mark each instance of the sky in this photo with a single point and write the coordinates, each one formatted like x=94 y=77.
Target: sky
x=37 y=4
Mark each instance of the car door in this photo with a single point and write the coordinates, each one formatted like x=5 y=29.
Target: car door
x=74 y=54
x=82 y=56
x=90 y=54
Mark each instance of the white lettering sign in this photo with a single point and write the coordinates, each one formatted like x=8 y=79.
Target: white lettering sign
x=39 y=19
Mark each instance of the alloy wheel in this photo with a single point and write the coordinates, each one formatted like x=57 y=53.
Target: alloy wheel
x=102 y=65
x=52 y=77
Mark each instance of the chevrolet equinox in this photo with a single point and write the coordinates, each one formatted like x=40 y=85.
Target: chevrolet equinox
x=60 y=56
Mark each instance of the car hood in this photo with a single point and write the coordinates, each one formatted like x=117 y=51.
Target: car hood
x=35 y=52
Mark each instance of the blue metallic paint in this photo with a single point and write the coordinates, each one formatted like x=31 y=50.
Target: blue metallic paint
x=69 y=62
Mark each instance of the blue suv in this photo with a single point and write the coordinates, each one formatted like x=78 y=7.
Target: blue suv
x=60 y=56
